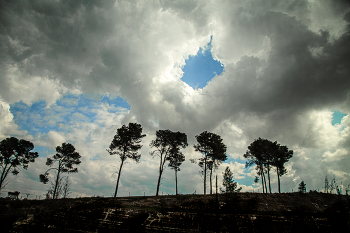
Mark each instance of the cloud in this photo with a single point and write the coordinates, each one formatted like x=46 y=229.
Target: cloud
x=286 y=69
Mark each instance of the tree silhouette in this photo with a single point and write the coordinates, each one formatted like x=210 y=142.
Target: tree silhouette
x=266 y=154
x=302 y=187
x=281 y=155
x=175 y=162
x=15 y=153
x=66 y=157
x=228 y=182
x=168 y=144
x=257 y=154
x=212 y=148
x=126 y=144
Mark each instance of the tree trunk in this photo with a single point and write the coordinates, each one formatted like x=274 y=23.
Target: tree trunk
x=161 y=168
x=205 y=172
x=264 y=180
x=176 y=181
x=57 y=180
x=119 y=173
x=211 y=185
x=158 y=184
x=278 y=179
x=268 y=176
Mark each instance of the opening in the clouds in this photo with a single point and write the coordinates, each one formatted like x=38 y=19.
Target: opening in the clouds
x=66 y=112
x=337 y=116
x=201 y=68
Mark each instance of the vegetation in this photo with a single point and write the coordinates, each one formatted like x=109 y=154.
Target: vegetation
x=168 y=144
x=214 y=152
x=228 y=182
x=66 y=157
x=126 y=144
x=15 y=153
x=302 y=187
x=266 y=155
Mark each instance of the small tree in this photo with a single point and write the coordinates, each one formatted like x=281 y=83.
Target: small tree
x=326 y=185
x=13 y=154
x=212 y=148
x=302 y=187
x=66 y=157
x=175 y=162
x=126 y=144
x=280 y=156
x=167 y=144
x=228 y=182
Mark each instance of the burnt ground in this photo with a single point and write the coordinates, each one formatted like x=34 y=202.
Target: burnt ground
x=240 y=212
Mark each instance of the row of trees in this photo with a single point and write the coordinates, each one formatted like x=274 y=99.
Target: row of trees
x=167 y=146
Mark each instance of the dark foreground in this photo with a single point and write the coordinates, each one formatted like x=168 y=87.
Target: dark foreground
x=242 y=212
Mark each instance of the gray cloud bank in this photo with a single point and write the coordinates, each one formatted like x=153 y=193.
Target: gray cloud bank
x=286 y=70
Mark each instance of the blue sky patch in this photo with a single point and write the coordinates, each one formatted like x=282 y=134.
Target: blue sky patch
x=36 y=118
x=337 y=116
x=201 y=68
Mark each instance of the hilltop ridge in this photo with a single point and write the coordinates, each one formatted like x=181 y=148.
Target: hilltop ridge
x=239 y=212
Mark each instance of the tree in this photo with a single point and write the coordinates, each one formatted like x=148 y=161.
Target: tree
x=126 y=144
x=259 y=153
x=66 y=157
x=15 y=153
x=175 y=162
x=266 y=154
x=212 y=148
x=228 y=182
x=326 y=184
x=279 y=158
x=302 y=187
x=168 y=144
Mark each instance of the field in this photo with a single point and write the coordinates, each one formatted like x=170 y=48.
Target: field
x=239 y=212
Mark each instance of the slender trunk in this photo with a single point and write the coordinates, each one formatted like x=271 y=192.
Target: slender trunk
x=268 y=176
x=176 y=181
x=161 y=169
x=278 y=179
x=57 y=180
x=205 y=172
x=158 y=184
x=264 y=181
x=119 y=173
x=211 y=186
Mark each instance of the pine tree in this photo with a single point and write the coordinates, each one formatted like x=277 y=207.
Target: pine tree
x=302 y=187
x=228 y=182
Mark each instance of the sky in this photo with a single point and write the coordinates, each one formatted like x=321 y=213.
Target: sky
x=76 y=71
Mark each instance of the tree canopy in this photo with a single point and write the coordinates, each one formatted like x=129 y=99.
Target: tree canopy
x=15 y=153
x=126 y=144
x=66 y=157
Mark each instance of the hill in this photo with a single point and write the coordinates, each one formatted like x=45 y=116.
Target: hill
x=240 y=212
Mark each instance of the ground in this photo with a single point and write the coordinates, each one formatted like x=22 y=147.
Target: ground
x=239 y=212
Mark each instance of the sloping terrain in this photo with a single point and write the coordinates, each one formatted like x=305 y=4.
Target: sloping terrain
x=240 y=212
